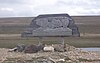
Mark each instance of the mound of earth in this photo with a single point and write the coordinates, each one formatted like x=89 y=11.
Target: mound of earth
x=74 y=55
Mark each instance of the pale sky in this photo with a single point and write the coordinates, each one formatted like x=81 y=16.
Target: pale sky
x=30 y=8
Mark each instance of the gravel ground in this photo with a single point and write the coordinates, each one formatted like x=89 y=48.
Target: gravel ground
x=76 y=56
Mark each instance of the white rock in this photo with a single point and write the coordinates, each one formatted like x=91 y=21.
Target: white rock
x=48 y=48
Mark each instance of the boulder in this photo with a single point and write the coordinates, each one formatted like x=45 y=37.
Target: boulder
x=31 y=49
x=20 y=47
x=48 y=49
x=58 y=47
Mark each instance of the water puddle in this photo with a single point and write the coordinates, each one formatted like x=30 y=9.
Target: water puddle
x=91 y=49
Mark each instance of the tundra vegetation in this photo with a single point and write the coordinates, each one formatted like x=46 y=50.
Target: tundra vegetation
x=11 y=28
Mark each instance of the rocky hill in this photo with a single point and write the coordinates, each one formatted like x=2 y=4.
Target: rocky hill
x=72 y=55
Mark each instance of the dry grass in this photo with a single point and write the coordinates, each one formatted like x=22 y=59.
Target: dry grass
x=76 y=41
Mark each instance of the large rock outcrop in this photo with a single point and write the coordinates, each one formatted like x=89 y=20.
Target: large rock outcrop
x=52 y=25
